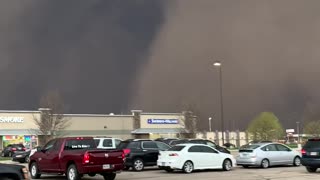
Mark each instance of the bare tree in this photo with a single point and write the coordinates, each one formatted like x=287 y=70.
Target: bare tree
x=52 y=119
x=191 y=117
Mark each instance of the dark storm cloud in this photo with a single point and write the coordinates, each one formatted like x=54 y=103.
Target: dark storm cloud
x=88 y=50
x=270 y=54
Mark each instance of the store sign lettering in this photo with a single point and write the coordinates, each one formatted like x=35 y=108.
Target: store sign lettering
x=11 y=119
x=163 y=121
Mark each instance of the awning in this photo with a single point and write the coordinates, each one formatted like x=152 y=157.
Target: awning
x=12 y=132
x=159 y=131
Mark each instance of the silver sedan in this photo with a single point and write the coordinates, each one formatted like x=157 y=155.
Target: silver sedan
x=267 y=154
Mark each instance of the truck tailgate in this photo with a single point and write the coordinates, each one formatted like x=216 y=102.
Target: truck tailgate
x=103 y=157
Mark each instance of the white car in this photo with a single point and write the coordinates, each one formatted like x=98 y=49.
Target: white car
x=189 y=157
x=267 y=154
x=107 y=142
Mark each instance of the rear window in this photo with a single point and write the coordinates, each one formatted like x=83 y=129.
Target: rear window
x=107 y=143
x=176 y=148
x=312 y=144
x=79 y=144
x=18 y=145
x=252 y=146
x=97 y=141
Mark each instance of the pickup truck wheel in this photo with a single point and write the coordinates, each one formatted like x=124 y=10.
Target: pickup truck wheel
x=34 y=171
x=138 y=164
x=72 y=173
x=109 y=176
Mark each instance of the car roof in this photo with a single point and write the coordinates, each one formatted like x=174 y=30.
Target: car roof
x=191 y=144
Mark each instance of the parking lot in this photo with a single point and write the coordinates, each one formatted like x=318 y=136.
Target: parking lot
x=238 y=173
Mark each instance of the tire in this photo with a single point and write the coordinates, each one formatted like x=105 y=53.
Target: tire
x=265 y=163
x=187 y=167
x=168 y=169
x=311 y=169
x=245 y=166
x=2 y=154
x=109 y=176
x=34 y=171
x=10 y=154
x=297 y=161
x=138 y=164
x=227 y=165
x=72 y=173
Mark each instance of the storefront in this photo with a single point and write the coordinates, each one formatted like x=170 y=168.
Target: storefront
x=20 y=126
x=159 y=125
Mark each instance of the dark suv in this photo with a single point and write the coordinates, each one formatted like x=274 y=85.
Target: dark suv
x=311 y=155
x=140 y=153
x=11 y=149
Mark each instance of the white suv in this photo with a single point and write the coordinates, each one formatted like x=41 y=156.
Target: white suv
x=107 y=142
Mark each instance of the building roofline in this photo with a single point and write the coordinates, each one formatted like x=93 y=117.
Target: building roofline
x=97 y=115
x=18 y=111
x=149 y=113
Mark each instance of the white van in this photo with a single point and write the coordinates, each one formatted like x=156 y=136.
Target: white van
x=107 y=142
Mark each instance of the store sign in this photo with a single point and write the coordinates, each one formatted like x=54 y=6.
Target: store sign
x=11 y=119
x=163 y=121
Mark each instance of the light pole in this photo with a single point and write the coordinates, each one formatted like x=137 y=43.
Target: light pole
x=298 y=131
x=210 y=118
x=219 y=65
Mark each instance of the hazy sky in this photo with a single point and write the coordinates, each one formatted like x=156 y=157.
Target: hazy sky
x=112 y=56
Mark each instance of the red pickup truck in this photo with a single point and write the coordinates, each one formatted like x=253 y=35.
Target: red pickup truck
x=75 y=157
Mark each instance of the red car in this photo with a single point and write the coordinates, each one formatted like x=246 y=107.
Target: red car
x=75 y=157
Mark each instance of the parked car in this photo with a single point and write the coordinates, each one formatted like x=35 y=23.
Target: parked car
x=179 y=141
x=11 y=149
x=167 y=140
x=267 y=154
x=311 y=155
x=141 y=153
x=229 y=145
x=13 y=172
x=107 y=142
x=75 y=157
x=209 y=143
x=189 y=157
x=21 y=156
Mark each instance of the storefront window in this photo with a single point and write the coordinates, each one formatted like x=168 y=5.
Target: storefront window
x=27 y=141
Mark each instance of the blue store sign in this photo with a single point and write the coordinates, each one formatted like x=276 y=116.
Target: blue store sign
x=163 y=121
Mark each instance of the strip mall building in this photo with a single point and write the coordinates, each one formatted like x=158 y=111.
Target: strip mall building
x=20 y=126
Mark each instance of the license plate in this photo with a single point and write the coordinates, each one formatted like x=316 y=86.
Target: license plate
x=313 y=153
x=163 y=163
x=106 y=166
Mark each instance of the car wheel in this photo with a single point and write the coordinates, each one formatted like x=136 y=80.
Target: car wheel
x=109 y=176
x=72 y=173
x=34 y=171
x=311 y=169
x=138 y=164
x=10 y=154
x=227 y=165
x=187 y=167
x=245 y=166
x=169 y=169
x=27 y=159
x=297 y=161
x=2 y=154
x=265 y=163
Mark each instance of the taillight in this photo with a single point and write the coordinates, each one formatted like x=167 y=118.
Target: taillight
x=14 y=149
x=86 y=158
x=303 y=152
x=25 y=173
x=126 y=151
x=24 y=148
x=173 y=154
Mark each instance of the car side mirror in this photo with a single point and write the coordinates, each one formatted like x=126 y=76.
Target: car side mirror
x=39 y=149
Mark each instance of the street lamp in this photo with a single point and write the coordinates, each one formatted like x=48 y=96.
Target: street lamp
x=219 y=65
x=210 y=118
x=298 y=131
